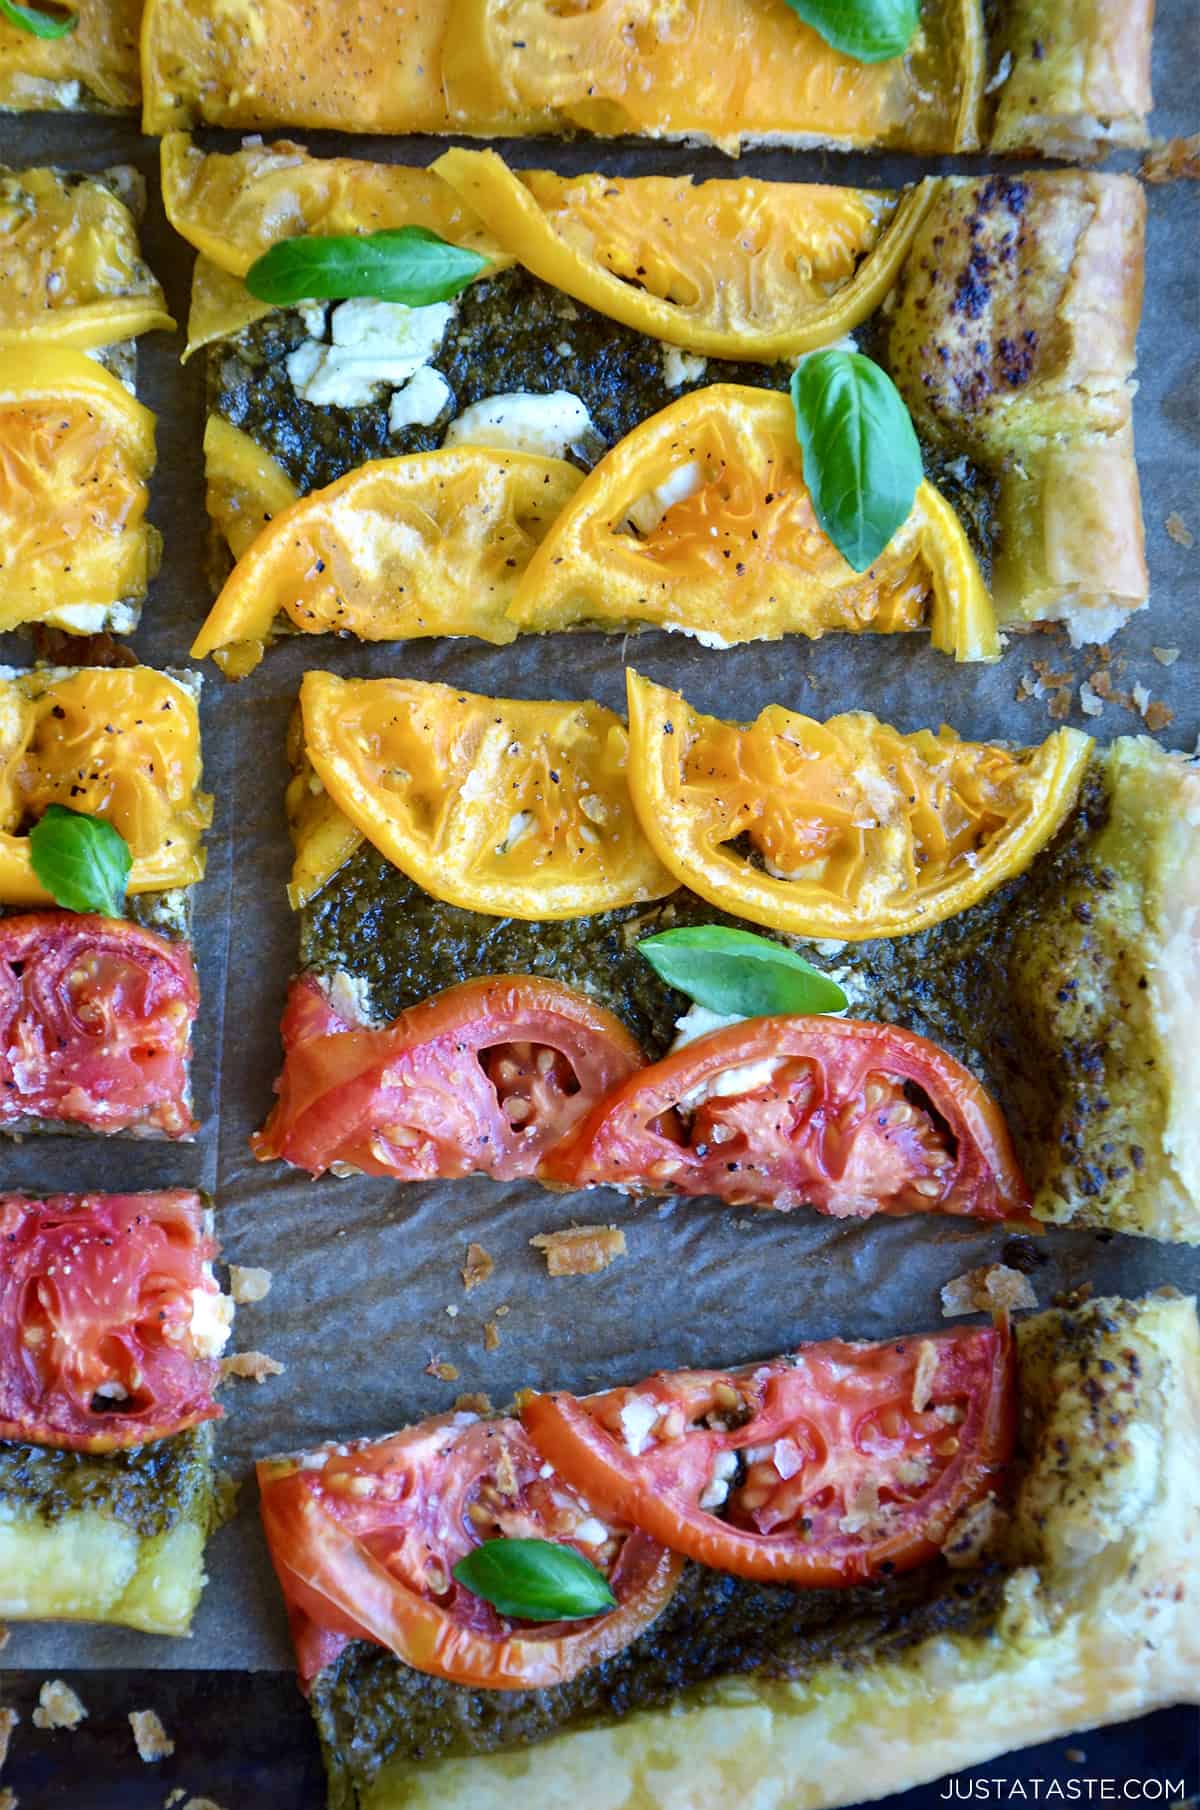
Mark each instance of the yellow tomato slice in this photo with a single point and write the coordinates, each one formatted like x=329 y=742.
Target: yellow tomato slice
x=725 y=70
x=733 y=269
x=853 y=830
x=700 y=520
x=100 y=57
x=247 y=488
x=76 y=451
x=272 y=62
x=71 y=270
x=518 y=809
x=116 y=742
x=400 y=549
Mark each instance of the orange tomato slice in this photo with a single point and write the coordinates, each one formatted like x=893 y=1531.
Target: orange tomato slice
x=518 y=809
x=854 y=830
x=96 y=62
x=734 y=269
x=76 y=452
x=116 y=742
x=397 y=550
x=700 y=520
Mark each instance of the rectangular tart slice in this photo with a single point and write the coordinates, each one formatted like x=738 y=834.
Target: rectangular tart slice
x=1029 y=76
x=112 y=1324
x=77 y=552
x=539 y=477
x=1027 y=915
x=96 y=1012
x=953 y=1595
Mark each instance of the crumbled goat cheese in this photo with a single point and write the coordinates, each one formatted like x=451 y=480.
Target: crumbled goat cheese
x=420 y=402
x=680 y=367
x=521 y=422
x=372 y=343
x=638 y=1417
x=646 y=512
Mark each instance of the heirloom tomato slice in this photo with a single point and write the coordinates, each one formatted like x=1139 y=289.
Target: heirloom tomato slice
x=847 y=1117
x=77 y=456
x=121 y=743
x=397 y=550
x=111 y=1320
x=481 y=1079
x=840 y=829
x=727 y=71
x=700 y=520
x=96 y=1019
x=734 y=269
x=514 y=808
x=365 y=1539
x=98 y=60
x=837 y=1464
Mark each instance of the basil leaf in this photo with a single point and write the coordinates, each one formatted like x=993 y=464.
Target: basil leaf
x=870 y=31
x=83 y=862
x=862 y=463
x=535 y=1580
x=406 y=264
x=734 y=971
x=39 y=24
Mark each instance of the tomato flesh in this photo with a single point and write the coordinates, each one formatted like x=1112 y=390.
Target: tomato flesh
x=848 y=1117
x=838 y=1464
x=95 y=1023
x=481 y=1079
x=365 y=1539
x=96 y=1302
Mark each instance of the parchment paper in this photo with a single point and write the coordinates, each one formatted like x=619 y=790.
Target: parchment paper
x=364 y=1270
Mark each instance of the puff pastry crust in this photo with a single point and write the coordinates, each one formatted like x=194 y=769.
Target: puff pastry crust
x=1078 y=76
x=1101 y=1619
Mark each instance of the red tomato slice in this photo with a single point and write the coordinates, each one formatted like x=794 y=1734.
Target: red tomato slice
x=95 y=1023
x=481 y=1079
x=365 y=1539
x=97 y=1295
x=838 y=1464
x=848 y=1117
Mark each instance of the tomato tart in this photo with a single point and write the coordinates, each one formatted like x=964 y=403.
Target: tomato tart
x=632 y=459
x=847 y=1569
x=953 y=75
x=480 y=884
x=113 y=1325
x=98 y=989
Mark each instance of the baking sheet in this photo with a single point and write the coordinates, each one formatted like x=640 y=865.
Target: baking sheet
x=364 y=1270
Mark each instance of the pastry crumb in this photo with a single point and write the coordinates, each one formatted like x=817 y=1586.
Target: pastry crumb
x=452 y=1312
x=1178 y=530
x=254 y=1366
x=927 y=1363
x=1166 y=656
x=491 y=1335
x=5 y=1637
x=1090 y=702
x=445 y=1373
x=974 y=1531
x=580 y=1250
x=58 y=1706
x=1172 y=160
x=1157 y=715
x=8 y=1721
x=8 y=1799
x=174 y=1797
x=246 y=1285
x=477 y=1268
x=476 y=1402
x=1076 y=1755
x=153 y=1741
x=201 y=1803
x=993 y=1289
x=1059 y=707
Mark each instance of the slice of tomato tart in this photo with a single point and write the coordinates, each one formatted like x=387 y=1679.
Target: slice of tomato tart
x=481 y=884
x=112 y=1324
x=851 y=1568
x=101 y=827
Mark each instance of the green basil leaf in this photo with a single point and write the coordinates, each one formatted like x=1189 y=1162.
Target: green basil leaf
x=406 y=264
x=83 y=862
x=862 y=463
x=734 y=971
x=535 y=1580
x=39 y=24
x=870 y=31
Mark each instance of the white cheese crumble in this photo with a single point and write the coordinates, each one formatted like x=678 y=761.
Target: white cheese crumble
x=420 y=402
x=591 y=1532
x=211 y=1321
x=680 y=367
x=717 y=1488
x=638 y=1418
x=91 y=618
x=707 y=637
x=698 y=1021
x=740 y=1080
x=521 y=422
x=646 y=512
x=372 y=343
